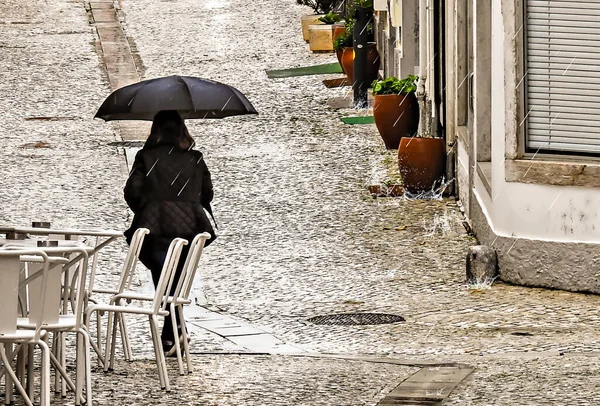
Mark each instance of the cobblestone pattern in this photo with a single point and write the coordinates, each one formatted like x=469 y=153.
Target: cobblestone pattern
x=57 y=164
x=260 y=380
x=530 y=381
x=232 y=380
x=299 y=234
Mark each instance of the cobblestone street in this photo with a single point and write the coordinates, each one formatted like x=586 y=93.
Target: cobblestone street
x=299 y=233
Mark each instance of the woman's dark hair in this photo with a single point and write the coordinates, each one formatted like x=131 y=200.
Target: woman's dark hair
x=168 y=128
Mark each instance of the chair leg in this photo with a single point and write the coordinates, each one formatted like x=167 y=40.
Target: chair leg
x=186 y=345
x=113 y=347
x=55 y=353
x=98 y=352
x=97 y=345
x=155 y=343
x=173 y=309
x=125 y=339
x=11 y=377
x=160 y=356
x=29 y=384
x=22 y=355
x=61 y=370
x=108 y=350
x=84 y=353
x=7 y=379
x=63 y=361
x=99 y=339
x=45 y=374
x=79 y=371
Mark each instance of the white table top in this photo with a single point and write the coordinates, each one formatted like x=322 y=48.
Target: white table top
x=61 y=231
x=63 y=246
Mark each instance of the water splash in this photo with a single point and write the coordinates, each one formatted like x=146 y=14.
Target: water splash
x=443 y=224
x=440 y=225
x=436 y=192
x=485 y=284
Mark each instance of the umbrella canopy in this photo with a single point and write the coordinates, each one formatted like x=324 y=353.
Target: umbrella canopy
x=192 y=97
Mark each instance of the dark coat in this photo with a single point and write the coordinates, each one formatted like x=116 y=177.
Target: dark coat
x=168 y=190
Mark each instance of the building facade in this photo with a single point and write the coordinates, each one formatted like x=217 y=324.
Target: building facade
x=514 y=87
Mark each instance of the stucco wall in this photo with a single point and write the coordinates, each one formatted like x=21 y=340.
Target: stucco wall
x=462 y=175
x=538 y=212
x=568 y=266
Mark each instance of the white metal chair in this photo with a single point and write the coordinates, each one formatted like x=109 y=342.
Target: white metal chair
x=10 y=269
x=69 y=321
x=118 y=307
x=179 y=298
x=125 y=281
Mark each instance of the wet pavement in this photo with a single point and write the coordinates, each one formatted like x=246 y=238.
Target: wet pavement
x=300 y=236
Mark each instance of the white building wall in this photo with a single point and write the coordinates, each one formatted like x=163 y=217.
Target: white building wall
x=529 y=211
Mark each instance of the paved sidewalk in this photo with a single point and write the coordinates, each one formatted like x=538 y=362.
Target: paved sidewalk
x=299 y=234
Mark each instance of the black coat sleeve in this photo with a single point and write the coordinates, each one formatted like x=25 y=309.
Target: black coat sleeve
x=207 y=194
x=135 y=184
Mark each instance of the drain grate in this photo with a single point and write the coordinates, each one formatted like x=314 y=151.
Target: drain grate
x=356 y=319
x=127 y=144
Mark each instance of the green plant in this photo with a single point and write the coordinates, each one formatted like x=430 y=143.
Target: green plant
x=363 y=3
x=393 y=85
x=318 y=6
x=330 y=18
x=352 y=5
x=350 y=21
x=343 y=41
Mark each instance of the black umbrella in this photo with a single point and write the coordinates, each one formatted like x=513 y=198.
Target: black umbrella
x=191 y=97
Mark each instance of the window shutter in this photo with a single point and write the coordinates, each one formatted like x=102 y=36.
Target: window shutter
x=563 y=75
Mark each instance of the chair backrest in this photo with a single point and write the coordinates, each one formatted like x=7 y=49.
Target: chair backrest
x=11 y=265
x=133 y=254
x=66 y=284
x=186 y=280
x=167 y=274
x=77 y=292
x=74 y=284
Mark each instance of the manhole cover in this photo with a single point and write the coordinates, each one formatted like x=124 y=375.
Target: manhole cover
x=356 y=319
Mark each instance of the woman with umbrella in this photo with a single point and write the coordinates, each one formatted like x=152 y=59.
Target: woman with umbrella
x=169 y=187
x=168 y=190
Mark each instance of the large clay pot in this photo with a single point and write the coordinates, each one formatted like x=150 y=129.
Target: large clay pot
x=339 y=53
x=338 y=30
x=422 y=162
x=320 y=37
x=373 y=61
x=396 y=116
x=307 y=20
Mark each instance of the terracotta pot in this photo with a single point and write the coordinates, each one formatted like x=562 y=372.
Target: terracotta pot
x=373 y=61
x=422 y=162
x=396 y=116
x=338 y=30
x=320 y=37
x=307 y=20
x=340 y=53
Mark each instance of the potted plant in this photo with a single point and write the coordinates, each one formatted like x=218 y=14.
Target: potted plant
x=421 y=159
x=321 y=35
x=338 y=29
x=343 y=46
x=422 y=163
x=320 y=8
x=395 y=109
